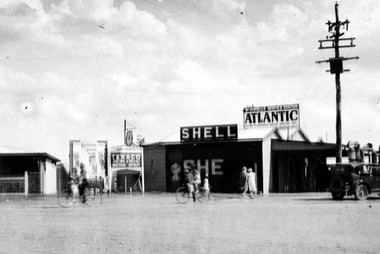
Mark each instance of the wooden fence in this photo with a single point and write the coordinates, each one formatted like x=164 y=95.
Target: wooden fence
x=14 y=183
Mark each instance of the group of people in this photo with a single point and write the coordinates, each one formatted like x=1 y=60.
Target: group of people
x=193 y=180
x=247 y=182
x=78 y=183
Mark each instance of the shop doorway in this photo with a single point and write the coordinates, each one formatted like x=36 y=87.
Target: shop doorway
x=128 y=182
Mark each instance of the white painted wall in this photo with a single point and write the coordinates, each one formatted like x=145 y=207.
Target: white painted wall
x=50 y=177
x=267 y=154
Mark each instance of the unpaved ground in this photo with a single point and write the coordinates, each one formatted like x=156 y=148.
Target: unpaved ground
x=155 y=223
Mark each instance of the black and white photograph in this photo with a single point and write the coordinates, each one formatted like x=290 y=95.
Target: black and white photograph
x=189 y=126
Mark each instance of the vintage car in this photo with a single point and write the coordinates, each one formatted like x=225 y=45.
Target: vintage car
x=354 y=178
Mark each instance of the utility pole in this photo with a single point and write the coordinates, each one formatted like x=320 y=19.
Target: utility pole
x=336 y=67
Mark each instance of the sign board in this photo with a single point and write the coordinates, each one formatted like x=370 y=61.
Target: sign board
x=278 y=115
x=128 y=137
x=209 y=133
x=126 y=158
x=92 y=154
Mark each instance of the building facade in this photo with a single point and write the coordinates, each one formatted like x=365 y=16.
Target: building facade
x=283 y=158
x=27 y=172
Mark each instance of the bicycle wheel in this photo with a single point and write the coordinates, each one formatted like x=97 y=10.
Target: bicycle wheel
x=182 y=195
x=65 y=198
x=203 y=196
x=93 y=196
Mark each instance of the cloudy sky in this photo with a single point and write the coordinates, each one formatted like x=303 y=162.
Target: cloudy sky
x=75 y=69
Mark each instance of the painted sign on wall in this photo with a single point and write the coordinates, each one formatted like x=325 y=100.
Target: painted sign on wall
x=209 y=133
x=279 y=115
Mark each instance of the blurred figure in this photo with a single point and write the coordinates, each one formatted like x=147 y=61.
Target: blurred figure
x=189 y=182
x=206 y=185
x=197 y=178
x=83 y=183
x=74 y=181
x=243 y=180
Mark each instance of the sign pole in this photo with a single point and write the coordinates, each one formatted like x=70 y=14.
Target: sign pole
x=142 y=170
x=109 y=170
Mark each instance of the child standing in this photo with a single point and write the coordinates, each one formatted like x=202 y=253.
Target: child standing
x=206 y=185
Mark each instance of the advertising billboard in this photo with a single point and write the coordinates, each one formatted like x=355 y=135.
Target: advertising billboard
x=126 y=158
x=92 y=154
x=278 y=116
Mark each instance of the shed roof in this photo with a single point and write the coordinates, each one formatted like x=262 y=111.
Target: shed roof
x=13 y=151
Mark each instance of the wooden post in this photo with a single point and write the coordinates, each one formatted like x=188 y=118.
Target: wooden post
x=336 y=67
x=125 y=184
x=26 y=188
x=142 y=170
x=109 y=168
x=338 y=93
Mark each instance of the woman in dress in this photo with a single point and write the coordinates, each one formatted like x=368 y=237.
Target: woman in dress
x=251 y=183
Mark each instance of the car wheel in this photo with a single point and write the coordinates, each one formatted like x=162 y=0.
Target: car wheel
x=361 y=192
x=337 y=182
x=338 y=195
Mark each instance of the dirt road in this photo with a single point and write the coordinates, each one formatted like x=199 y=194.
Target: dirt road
x=155 y=223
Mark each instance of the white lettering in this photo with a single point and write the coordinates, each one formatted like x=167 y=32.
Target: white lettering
x=208 y=132
x=216 y=166
x=229 y=134
x=217 y=133
x=185 y=133
x=203 y=167
x=197 y=132
x=187 y=163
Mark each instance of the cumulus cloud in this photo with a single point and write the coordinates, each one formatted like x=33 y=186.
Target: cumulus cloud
x=85 y=65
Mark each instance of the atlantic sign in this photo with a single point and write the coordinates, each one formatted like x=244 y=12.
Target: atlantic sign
x=209 y=133
x=279 y=115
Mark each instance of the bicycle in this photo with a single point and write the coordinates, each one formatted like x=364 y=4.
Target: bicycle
x=183 y=195
x=93 y=196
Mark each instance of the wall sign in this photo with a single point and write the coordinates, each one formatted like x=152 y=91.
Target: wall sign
x=209 y=133
x=126 y=159
x=279 y=115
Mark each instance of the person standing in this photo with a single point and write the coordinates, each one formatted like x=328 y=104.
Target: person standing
x=251 y=183
x=74 y=181
x=197 y=178
x=83 y=183
x=243 y=180
x=189 y=182
x=206 y=185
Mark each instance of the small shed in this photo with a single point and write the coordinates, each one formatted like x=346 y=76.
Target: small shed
x=23 y=171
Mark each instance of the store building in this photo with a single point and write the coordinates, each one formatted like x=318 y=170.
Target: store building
x=27 y=172
x=281 y=154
